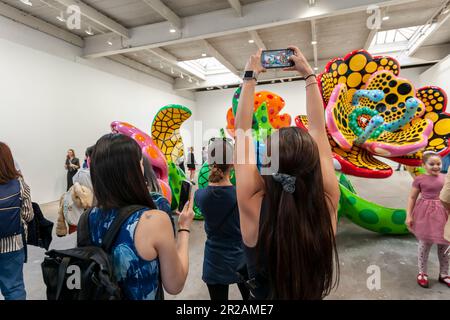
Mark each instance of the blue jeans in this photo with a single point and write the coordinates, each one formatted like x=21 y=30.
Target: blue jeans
x=11 y=275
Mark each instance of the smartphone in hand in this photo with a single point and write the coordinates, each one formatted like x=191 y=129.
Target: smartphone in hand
x=185 y=194
x=271 y=59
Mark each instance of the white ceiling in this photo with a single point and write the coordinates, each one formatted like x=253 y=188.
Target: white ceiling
x=337 y=33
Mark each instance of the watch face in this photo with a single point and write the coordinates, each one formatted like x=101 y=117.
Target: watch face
x=248 y=74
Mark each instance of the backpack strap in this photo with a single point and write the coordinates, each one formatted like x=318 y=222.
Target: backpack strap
x=123 y=214
x=83 y=230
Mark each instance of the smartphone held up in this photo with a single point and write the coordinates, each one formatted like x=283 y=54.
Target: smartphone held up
x=185 y=195
x=271 y=59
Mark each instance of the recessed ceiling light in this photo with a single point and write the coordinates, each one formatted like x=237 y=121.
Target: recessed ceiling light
x=203 y=54
x=445 y=11
x=109 y=42
x=61 y=17
x=314 y=42
x=251 y=41
x=173 y=30
x=385 y=18
x=315 y=68
x=27 y=2
x=89 y=31
x=181 y=75
x=190 y=79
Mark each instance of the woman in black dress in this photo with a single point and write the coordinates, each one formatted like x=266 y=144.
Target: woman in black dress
x=72 y=165
x=191 y=164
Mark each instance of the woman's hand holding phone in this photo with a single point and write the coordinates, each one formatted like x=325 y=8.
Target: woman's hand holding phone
x=187 y=215
x=300 y=63
x=254 y=63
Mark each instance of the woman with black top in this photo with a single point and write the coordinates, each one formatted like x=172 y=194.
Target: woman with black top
x=224 y=252
x=288 y=216
x=191 y=163
x=72 y=165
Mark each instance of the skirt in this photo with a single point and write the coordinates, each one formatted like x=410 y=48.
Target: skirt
x=429 y=219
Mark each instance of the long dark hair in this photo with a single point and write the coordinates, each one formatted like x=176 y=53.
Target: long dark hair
x=8 y=171
x=296 y=231
x=150 y=177
x=116 y=173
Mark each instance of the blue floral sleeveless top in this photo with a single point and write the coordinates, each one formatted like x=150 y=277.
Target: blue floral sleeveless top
x=138 y=278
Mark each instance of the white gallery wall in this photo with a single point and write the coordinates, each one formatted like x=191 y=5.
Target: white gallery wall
x=50 y=103
x=212 y=106
x=438 y=75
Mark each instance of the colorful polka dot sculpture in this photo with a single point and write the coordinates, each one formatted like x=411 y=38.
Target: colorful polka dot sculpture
x=149 y=150
x=370 y=111
x=266 y=115
x=369 y=215
x=166 y=130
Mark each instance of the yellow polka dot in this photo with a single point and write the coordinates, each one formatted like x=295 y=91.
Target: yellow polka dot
x=340 y=152
x=436 y=94
x=354 y=79
x=436 y=142
x=366 y=78
x=358 y=62
x=394 y=67
x=441 y=146
x=442 y=127
x=335 y=74
x=335 y=81
x=438 y=106
x=430 y=91
x=440 y=99
x=433 y=101
x=391 y=63
x=371 y=67
x=429 y=108
x=383 y=61
x=342 y=79
x=380 y=68
x=350 y=93
x=334 y=66
x=342 y=69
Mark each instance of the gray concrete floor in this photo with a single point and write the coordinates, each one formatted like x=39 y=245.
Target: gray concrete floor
x=358 y=249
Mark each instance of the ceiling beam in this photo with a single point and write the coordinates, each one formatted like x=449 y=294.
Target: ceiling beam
x=370 y=38
x=97 y=17
x=165 y=12
x=258 y=41
x=142 y=67
x=173 y=62
x=261 y=14
x=236 y=5
x=216 y=54
x=427 y=30
x=38 y=24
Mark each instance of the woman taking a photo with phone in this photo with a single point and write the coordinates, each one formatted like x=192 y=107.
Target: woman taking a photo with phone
x=224 y=252
x=145 y=250
x=288 y=218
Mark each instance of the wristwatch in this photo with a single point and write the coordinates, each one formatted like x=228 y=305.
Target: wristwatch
x=249 y=75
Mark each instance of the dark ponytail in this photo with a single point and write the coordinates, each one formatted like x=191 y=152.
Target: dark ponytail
x=220 y=159
x=296 y=233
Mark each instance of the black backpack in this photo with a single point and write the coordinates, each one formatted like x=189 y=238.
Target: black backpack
x=92 y=264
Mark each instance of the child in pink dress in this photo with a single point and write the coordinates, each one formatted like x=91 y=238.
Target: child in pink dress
x=426 y=218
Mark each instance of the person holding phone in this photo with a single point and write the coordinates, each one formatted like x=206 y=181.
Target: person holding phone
x=146 y=254
x=72 y=165
x=288 y=217
x=224 y=252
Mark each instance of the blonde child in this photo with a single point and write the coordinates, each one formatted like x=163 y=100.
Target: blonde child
x=426 y=218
